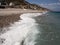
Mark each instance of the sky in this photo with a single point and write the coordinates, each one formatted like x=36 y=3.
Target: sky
x=50 y=4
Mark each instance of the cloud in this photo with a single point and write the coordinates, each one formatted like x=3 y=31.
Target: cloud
x=52 y=6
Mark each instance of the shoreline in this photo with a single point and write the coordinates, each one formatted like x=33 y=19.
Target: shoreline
x=10 y=16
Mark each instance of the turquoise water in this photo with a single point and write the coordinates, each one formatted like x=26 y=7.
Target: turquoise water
x=49 y=26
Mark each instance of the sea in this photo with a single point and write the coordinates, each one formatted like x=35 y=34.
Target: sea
x=34 y=29
x=50 y=29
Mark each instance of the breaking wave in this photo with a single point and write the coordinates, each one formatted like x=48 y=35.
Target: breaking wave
x=23 y=32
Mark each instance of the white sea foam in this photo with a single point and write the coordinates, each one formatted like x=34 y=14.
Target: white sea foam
x=22 y=32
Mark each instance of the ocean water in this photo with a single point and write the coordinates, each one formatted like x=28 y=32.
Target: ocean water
x=50 y=29
x=34 y=29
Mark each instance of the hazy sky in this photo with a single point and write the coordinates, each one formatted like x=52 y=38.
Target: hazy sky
x=50 y=4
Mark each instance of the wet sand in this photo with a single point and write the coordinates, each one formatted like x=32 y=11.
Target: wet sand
x=6 y=20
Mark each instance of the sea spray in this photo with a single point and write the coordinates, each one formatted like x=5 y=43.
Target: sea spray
x=23 y=32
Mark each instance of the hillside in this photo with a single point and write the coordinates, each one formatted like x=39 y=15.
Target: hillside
x=23 y=4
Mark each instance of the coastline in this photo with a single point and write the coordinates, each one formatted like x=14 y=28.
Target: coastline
x=10 y=24
x=12 y=15
x=21 y=29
